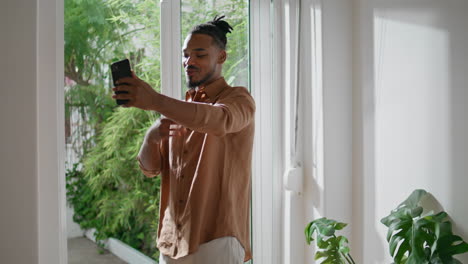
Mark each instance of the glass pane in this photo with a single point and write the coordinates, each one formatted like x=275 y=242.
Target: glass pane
x=104 y=184
x=237 y=66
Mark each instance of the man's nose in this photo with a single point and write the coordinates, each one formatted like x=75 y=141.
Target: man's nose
x=189 y=61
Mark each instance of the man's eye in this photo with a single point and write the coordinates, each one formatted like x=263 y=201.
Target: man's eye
x=201 y=55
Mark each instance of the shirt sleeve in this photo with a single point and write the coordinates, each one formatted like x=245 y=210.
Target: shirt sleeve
x=147 y=173
x=162 y=154
x=229 y=115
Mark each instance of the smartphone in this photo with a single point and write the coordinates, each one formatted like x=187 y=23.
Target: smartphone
x=120 y=70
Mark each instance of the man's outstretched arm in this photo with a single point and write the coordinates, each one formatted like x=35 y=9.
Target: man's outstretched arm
x=224 y=117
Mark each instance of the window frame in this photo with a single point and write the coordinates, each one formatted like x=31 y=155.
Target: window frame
x=51 y=191
x=171 y=58
x=267 y=189
x=266 y=179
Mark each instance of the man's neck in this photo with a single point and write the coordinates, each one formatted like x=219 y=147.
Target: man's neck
x=203 y=85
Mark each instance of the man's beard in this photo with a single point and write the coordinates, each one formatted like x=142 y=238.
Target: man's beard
x=194 y=84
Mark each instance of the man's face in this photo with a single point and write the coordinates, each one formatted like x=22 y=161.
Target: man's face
x=202 y=60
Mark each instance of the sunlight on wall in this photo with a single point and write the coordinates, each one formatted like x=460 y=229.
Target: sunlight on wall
x=412 y=107
x=412 y=67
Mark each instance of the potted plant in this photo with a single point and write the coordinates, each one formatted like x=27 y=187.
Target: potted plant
x=331 y=249
x=416 y=238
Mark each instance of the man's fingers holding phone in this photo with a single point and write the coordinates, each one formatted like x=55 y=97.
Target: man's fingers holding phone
x=139 y=93
x=134 y=80
x=123 y=88
x=123 y=92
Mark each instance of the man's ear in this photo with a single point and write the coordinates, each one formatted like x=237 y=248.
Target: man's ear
x=222 y=57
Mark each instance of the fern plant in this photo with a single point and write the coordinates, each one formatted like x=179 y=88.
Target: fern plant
x=331 y=249
x=128 y=201
x=417 y=238
x=110 y=193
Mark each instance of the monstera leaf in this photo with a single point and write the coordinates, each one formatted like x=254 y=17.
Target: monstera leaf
x=447 y=244
x=415 y=238
x=332 y=249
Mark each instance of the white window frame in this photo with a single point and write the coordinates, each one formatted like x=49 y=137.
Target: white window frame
x=276 y=236
x=51 y=200
x=267 y=158
x=268 y=163
x=300 y=45
x=267 y=191
x=171 y=58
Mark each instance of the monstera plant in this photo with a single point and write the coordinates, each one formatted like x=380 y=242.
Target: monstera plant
x=331 y=249
x=417 y=238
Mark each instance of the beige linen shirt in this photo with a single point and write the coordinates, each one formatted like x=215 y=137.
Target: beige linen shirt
x=205 y=170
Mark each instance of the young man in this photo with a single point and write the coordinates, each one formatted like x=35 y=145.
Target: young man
x=203 y=152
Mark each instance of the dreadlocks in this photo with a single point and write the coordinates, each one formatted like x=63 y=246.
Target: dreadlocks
x=217 y=29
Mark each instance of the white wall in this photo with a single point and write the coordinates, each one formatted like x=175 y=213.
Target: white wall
x=18 y=184
x=337 y=109
x=411 y=101
x=32 y=222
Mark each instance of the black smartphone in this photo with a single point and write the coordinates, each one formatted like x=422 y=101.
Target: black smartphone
x=120 y=70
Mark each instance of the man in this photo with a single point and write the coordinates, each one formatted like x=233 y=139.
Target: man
x=203 y=152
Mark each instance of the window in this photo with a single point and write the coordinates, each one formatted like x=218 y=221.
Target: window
x=266 y=189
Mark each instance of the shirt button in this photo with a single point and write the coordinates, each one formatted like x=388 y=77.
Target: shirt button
x=181 y=201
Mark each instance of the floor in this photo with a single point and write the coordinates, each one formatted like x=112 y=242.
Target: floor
x=83 y=251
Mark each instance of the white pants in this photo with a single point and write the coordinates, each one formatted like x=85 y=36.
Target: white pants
x=225 y=250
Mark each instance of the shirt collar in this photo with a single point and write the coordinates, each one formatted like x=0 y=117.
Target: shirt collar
x=211 y=90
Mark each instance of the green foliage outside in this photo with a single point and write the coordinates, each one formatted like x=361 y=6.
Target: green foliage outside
x=106 y=188
x=122 y=202
x=89 y=44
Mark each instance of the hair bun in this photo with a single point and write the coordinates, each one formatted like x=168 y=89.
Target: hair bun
x=221 y=24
